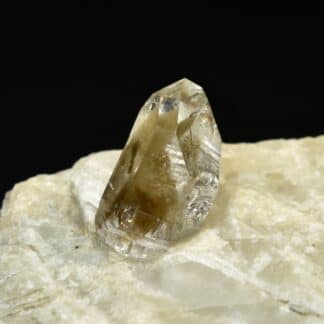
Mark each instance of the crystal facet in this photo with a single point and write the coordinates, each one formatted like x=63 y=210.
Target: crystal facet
x=167 y=176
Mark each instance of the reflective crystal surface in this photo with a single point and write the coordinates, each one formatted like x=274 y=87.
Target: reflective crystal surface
x=167 y=176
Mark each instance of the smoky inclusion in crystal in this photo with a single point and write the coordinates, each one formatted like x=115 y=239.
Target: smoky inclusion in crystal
x=166 y=178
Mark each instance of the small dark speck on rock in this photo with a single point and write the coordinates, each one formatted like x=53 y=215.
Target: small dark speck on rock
x=77 y=246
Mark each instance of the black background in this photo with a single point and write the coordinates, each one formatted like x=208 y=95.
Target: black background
x=73 y=84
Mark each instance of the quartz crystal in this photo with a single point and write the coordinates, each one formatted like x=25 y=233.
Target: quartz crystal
x=167 y=176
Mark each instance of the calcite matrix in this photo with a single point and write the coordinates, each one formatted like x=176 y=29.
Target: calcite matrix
x=258 y=258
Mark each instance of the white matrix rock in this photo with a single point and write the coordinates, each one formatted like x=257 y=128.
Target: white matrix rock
x=259 y=257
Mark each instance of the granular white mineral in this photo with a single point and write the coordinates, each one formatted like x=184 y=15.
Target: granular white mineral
x=259 y=257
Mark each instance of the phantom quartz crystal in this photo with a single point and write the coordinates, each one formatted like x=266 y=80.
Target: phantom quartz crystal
x=166 y=178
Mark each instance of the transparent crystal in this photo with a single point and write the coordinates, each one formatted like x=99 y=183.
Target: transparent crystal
x=167 y=176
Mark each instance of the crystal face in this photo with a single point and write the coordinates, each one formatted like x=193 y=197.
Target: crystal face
x=166 y=178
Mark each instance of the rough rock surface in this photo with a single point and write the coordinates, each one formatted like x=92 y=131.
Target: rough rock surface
x=258 y=259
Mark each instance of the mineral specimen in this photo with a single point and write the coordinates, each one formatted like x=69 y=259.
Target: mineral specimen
x=167 y=176
x=258 y=258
